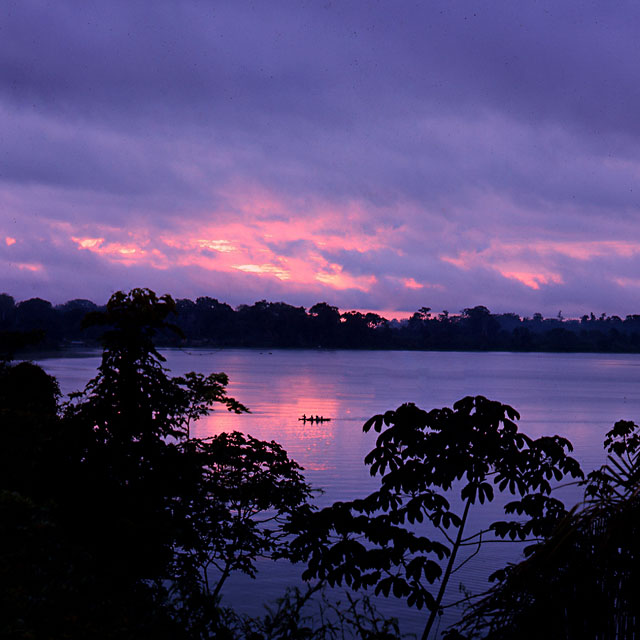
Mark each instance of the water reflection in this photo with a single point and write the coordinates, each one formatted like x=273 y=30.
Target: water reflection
x=576 y=395
x=276 y=405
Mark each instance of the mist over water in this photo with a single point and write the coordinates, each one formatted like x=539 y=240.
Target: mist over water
x=578 y=396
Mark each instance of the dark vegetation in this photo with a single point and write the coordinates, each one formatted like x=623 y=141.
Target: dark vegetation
x=111 y=513
x=208 y=322
x=115 y=523
x=434 y=467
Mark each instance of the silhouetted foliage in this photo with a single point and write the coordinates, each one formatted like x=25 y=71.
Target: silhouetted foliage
x=51 y=588
x=434 y=467
x=51 y=583
x=70 y=320
x=246 y=492
x=28 y=425
x=12 y=342
x=36 y=314
x=116 y=523
x=583 y=580
x=211 y=323
x=291 y=619
x=131 y=507
x=325 y=325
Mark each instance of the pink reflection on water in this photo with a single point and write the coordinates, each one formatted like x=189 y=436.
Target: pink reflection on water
x=277 y=416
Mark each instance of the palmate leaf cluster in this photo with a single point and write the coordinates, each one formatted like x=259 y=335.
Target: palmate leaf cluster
x=582 y=580
x=434 y=466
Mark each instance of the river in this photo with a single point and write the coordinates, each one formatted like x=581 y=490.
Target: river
x=578 y=396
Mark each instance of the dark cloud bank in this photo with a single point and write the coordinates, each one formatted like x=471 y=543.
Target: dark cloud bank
x=487 y=152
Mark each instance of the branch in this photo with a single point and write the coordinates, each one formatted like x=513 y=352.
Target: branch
x=503 y=541
x=475 y=553
x=445 y=534
x=465 y=541
x=447 y=573
x=467 y=599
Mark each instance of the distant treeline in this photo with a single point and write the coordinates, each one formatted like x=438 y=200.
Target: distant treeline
x=210 y=323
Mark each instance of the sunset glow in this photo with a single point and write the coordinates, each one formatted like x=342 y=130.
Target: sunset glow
x=264 y=269
x=261 y=247
x=410 y=283
x=278 y=280
x=253 y=160
x=533 y=280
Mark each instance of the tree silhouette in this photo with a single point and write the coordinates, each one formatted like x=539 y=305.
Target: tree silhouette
x=582 y=580
x=325 y=324
x=396 y=539
x=131 y=502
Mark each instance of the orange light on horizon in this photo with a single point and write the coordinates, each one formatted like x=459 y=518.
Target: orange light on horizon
x=388 y=314
x=9 y=241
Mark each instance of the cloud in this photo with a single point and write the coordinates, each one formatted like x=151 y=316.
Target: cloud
x=378 y=155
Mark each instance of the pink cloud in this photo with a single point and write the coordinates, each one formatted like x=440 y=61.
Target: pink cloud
x=126 y=253
x=410 y=283
x=532 y=280
x=628 y=282
x=88 y=243
x=341 y=280
x=264 y=269
x=271 y=242
x=538 y=263
x=29 y=266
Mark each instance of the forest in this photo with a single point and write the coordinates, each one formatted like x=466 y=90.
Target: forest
x=116 y=523
x=210 y=323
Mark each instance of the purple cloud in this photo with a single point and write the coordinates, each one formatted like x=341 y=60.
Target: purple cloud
x=381 y=156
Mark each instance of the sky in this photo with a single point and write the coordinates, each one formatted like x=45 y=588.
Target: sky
x=373 y=155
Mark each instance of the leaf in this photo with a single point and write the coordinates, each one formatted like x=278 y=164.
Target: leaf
x=375 y=422
x=384 y=586
x=469 y=492
x=400 y=587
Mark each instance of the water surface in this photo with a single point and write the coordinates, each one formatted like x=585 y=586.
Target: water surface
x=579 y=396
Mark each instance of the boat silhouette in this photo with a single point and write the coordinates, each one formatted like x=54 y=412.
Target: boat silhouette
x=314 y=418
